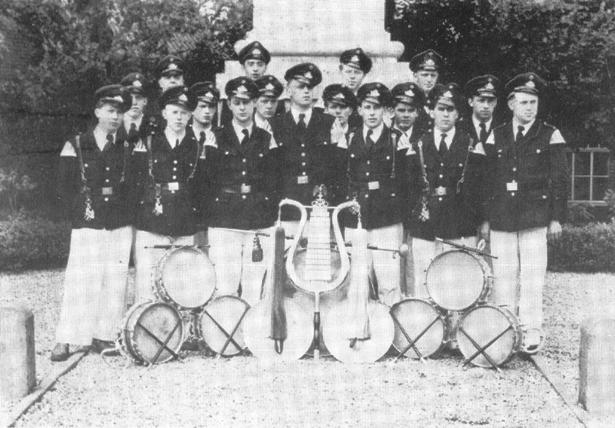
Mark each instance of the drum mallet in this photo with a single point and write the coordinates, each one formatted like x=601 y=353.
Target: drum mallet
x=466 y=248
x=402 y=251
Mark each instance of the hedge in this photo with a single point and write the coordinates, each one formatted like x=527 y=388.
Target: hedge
x=589 y=248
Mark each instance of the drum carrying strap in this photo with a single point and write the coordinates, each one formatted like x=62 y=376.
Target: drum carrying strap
x=150 y=174
x=88 y=213
x=421 y=211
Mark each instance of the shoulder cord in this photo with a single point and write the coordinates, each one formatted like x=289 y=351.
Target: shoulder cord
x=465 y=166
x=393 y=141
x=84 y=182
x=200 y=150
x=422 y=164
x=125 y=160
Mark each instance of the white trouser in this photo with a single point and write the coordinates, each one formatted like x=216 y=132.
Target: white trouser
x=424 y=251
x=386 y=265
x=408 y=268
x=231 y=253
x=94 y=285
x=520 y=271
x=147 y=258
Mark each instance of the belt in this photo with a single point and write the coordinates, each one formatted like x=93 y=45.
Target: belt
x=370 y=186
x=243 y=189
x=172 y=186
x=106 y=191
x=303 y=179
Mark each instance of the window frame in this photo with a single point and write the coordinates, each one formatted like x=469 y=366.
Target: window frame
x=591 y=175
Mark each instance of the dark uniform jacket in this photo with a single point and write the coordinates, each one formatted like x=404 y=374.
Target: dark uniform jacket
x=468 y=126
x=308 y=159
x=106 y=176
x=454 y=207
x=376 y=179
x=242 y=179
x=536 y=171
x=170 y=183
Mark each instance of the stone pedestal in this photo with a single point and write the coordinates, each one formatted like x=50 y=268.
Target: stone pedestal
x=17 y=373
x=319 y=31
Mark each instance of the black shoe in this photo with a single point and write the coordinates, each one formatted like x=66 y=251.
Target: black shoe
x=60 y=352
x=101 y=345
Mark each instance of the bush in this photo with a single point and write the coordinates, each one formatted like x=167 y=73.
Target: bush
x=589 y=248
x=29 y=242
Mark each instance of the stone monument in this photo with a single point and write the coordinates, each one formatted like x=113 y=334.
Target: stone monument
x=319 y=31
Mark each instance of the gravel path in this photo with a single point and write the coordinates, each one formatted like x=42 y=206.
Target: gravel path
x=204 y=391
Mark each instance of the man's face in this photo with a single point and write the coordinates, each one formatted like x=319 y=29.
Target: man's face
x=242 y=109
x=426 y=79
x=405 y=116
x=109 y=117
x=444 y=116
x=176 y=116
x=266 y=106
x=299 y=93
x=524 y=107
x=483 y=107
x=339 y=111
x=170 y=81
x=351 y=77
x=138 y=105
x=204 y=113
x=371 y=113
x=254 y=68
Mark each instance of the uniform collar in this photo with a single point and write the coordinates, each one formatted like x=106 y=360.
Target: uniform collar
x=437 y=136
x=261 y=122
x=128 y=121
x=406 y=133
x=172 y=137
x=197 y=129
x=101 y=138
x=376 y=132
x=295 y=113
x=477 y=123
x=526 y=127
x=239 y=130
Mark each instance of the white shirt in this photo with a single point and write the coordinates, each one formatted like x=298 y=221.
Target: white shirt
x=262 y=123
x=295 y=112
x=376 y=132
x=172 y=137
x=129 y=121
x=404 y=140
x=239 y=130
x=437 y=136
x=526 y=127
x=477 y=123
x=100 y=137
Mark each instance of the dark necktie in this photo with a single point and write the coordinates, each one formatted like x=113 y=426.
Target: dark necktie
x=109 y=142
x=368 y=141
x=176 y=143
x=519 y=136
x=442 y=150
x=202 y=138
x=246 y=136
x=483 y=132
x=133 y=135
x=301 y=124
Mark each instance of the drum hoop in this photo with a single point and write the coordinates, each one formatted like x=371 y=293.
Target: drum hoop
x=139 y=314
x=123 y=338
x=442 y=315
x=487 y=285
x=198 y=328
x=160 y=291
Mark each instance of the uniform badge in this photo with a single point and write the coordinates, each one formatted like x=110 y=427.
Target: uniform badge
x=430 y=63
x=137 y=84
x=531 y=84
x=173 y=66
x=183 y=98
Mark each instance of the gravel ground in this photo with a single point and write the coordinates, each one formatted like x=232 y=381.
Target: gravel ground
x=204 y=391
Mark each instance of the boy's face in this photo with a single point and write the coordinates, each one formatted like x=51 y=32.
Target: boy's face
x=405 y=116
x=266 y=106
x=176 y=116
x=483 y=107
x=426 y=79
x=242 y=109
x=204 y=113
x=444 y=116
x=170 y=81
x=351 y=77
x=339 y=111
x=109 y=117
x=138 y=105
x=524 y=107
x=254 y=68
x=299 y=93
x=371 y=113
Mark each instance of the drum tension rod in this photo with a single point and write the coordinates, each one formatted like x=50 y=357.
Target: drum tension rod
x=483 y=349
x=466 y=248
x=412 y=343
x=163 y=345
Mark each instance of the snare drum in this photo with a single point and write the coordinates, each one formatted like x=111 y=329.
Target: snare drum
x=152 y=333
x=185 y=278
x=494 y=328
x=419 y=321
x=457 y=280
x=221 y=325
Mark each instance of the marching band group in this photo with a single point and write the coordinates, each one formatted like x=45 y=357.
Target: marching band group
x=188 y=168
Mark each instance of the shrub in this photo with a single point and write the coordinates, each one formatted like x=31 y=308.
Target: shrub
x=589 y=248
x=29 y=242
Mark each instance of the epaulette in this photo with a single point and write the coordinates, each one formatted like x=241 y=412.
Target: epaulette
x=501 y=125
x=548 y=125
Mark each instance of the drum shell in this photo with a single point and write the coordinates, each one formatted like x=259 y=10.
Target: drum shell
x=190 y=298
x=476 y=326
x=227 y=311
x=415 y=315
x=463 y=285
x=138 y=352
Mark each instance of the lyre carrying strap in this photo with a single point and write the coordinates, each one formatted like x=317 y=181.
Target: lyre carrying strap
x=422 y=165
x=77 y=145
x=393 y=140
x=125 y=157
x=150 y=160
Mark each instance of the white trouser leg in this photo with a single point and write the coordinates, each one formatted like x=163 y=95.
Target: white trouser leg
x=533 y=269
x=82 y=282
x=423 y=252
x=505 y=246
x=112 y=298
x=225 y=252
x=408 y=268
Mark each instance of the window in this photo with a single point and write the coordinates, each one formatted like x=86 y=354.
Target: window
x=589 y=174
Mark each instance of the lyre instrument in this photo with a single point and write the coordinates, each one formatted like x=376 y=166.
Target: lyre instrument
x=315 y=275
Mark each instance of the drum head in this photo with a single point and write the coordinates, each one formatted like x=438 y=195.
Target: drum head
x=299 y=328
x=483 y=324
x=186 y=278
x=223 y=317
x=336 y=334
x=153 y=325
x=456 y=280
x=418 y=317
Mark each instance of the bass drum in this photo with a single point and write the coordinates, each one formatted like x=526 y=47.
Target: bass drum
x=149 y=325
x=185 y=277
x=484 y=324
x=221 y=325
x=299 y=327
x=336 y=334
x=421 y=322
x=457 y=280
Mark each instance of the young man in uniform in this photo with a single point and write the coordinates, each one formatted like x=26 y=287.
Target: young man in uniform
x=170 y=72
x=92 y=188
x=481 y=92
x=375 y=172
x=164 y=188
x=528 y=177
x=241 y=172
x=425 y=67
x=341 y=103
x=269 y=90
x=134 y=124
x=354 y=66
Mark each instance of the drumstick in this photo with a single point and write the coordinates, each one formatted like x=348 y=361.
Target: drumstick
x=170 y=246
x=464 y=247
